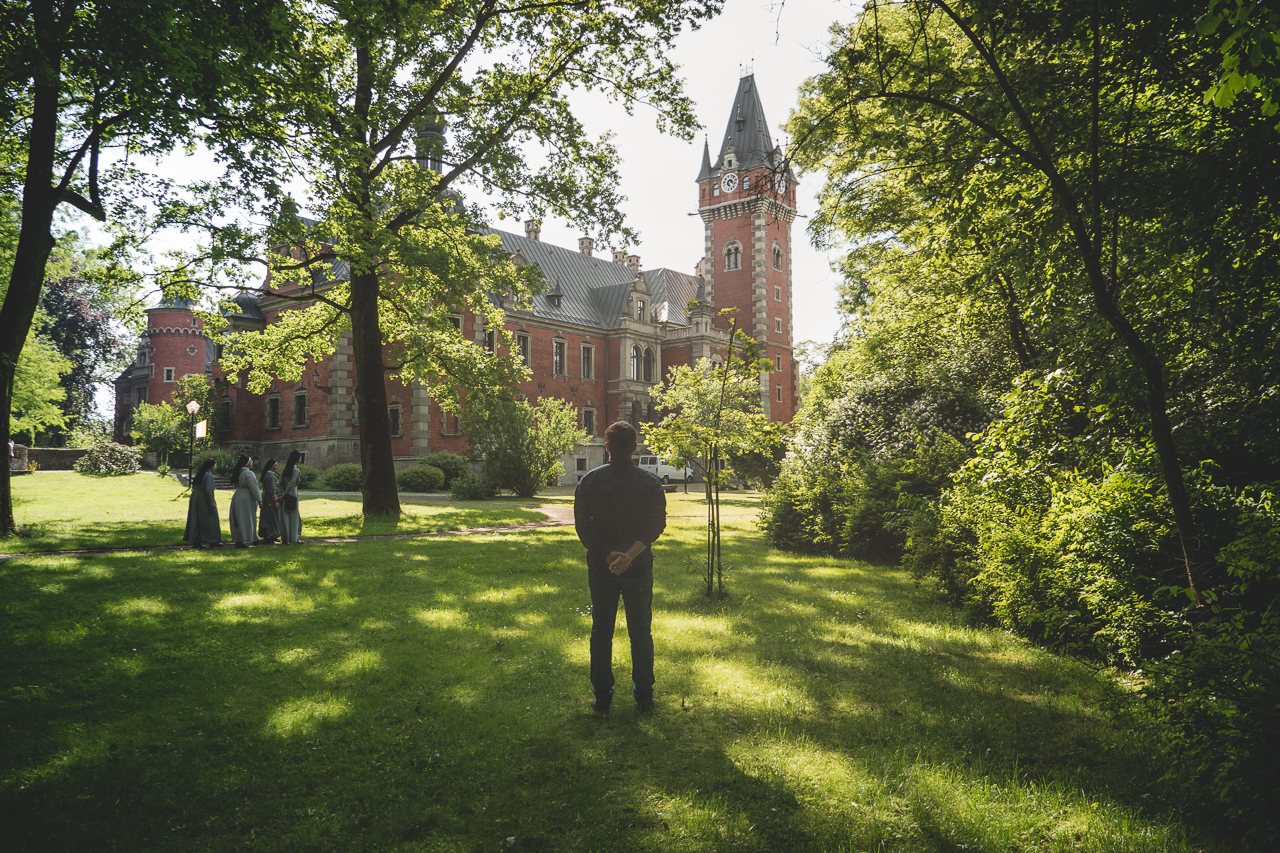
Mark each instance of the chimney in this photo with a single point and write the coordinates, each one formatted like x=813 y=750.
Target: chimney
x=585 y=245
x=619 y=256
x=633 y=261
x=533 y=229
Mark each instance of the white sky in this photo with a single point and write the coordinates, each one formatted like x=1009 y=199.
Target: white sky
x=783 y=43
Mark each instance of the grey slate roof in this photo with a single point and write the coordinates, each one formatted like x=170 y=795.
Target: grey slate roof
x=671 y=294
x=747 y=130
x=594 y=290
x=705 y=172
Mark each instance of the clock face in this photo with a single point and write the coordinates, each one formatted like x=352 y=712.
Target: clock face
x=781 y=183
x=729 y=182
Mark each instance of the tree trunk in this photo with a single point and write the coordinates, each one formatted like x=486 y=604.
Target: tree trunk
x=379 y=489
x=32 y=253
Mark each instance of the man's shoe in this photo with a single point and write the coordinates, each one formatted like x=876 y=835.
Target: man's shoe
x=645 y=705
x=600 y=707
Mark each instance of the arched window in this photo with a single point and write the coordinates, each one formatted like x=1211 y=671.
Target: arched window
x=733 y=256
x=635 y=362
x=637 y=412
x=777 y=258
x=648 y=364
x=653 y=413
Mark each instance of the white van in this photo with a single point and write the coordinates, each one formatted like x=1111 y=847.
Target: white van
x=658 y=466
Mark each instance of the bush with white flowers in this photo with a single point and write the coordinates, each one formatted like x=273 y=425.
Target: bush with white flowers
x=109 y=458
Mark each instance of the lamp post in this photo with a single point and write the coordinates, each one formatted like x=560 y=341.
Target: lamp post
x=192 y=408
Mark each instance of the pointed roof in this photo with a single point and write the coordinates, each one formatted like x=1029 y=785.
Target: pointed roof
x=705 y=172
x=748 y=130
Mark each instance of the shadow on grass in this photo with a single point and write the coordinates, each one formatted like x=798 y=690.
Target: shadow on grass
x=431 y=695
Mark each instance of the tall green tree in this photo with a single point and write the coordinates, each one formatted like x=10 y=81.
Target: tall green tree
x=1066 y=146
x=78 y=78
x=38 y=393
x=394 y=105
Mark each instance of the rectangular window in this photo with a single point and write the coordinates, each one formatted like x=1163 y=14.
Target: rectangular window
x=588 y=359
x=777 y=293
x=449 y=425
x=589 y=421
x=715 y=189
x=558 y=366
x=522 y=347
x=226 y=415
x=168 y=374
x=490 y=341
x=273 y=413
x=746 y=182
x=582 y=464
x=457 y=322
x=777 y=324
x=393 y=416
x=640 y=310
x=300 y=410
x=779 y=393
x=777 y=360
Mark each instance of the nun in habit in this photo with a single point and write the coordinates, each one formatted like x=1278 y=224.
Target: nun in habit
x=244 y=504
x=290 y=519
x=269 y=515
x=203 y=530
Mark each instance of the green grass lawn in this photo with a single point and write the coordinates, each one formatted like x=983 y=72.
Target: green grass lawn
x=431 y=695
x=60 y=510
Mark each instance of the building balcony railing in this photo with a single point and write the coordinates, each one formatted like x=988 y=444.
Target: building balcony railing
x=688 y=332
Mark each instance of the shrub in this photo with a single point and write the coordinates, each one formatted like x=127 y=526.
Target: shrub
x=454 y=466
x=109 y=458
x=346 y=477
x=421 y=478
x=223 y=464
x=310 y=476
x=473 y=487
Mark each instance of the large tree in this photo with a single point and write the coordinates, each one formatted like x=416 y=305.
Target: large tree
x=1068 y=148
x=394 y=105
x=78 y=78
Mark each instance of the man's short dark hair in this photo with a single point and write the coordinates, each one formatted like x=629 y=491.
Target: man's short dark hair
x=621 y=438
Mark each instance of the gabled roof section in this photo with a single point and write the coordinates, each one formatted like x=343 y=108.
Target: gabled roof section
x=748 y=130
x=672 y=291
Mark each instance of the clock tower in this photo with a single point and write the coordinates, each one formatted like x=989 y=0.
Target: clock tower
x=746 y=198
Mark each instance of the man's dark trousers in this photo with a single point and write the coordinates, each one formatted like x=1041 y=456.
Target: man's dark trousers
x=637 y=600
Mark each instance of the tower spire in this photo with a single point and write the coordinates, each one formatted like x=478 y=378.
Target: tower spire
x=705 y=171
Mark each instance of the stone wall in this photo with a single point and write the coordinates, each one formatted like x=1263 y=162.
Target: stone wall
x=54 y=458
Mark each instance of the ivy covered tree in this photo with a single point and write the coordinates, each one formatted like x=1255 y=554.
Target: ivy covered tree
x=391 y=107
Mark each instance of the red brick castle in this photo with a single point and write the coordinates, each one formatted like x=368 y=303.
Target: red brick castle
x=602 y=337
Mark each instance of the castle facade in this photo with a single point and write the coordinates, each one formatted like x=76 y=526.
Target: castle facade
x=602 y=337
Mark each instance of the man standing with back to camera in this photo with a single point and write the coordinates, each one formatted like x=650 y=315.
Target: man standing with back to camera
x=619 y=511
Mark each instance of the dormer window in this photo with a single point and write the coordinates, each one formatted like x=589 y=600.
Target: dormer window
x=640 y=315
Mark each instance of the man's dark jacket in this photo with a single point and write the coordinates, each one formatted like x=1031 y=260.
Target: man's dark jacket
x=614 y=506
